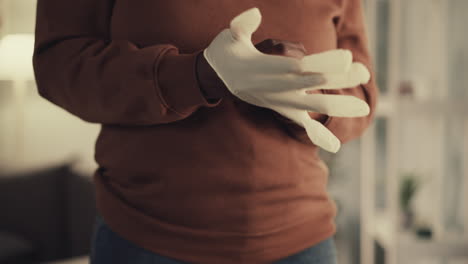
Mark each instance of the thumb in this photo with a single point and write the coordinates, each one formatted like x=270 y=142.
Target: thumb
x=245 y=24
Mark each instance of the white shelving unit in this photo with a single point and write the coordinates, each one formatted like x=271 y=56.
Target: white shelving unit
x=416 y=133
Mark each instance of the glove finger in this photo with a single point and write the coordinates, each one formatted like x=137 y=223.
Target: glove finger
x=273 y=83
x=337 y=105
x=332 y=61
x=358 y=74
x=316 y=131
x=242 y=27
x=296 y=115
x=322 y=136
x=329 y=104
x=246 y=23
x=272 y=64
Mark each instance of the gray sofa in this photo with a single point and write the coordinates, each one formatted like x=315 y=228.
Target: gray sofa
x=46 y=215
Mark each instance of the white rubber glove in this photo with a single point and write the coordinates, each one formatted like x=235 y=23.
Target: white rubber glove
x=277 y=82
x=247 y=72
x=340 y=72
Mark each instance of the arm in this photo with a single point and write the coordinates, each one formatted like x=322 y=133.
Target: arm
x=79 y=68
x=351 y=33
x=352 y=36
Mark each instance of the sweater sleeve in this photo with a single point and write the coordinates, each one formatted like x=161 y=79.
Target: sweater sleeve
x=351 y=32
x=80 y=68
x=351 y=35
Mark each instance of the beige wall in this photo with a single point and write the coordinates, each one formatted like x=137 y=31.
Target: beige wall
x=18 y=16
x=41 y=134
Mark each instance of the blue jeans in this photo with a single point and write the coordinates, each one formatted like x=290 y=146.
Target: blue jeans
x=109 y=247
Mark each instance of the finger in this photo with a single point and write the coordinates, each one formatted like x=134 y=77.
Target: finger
x=290 y=49
x=332 y=61
x=316 y=131
x=272 y=64
x=265 y=46
x=337 y=105
x=358 y=74
x=277 y=83
x=291 y=44
x=276 y=46
x=322 y=136
x=283 y=49
x=293 y=52
x=295 y=115
x=329 y=104
x=246 y=23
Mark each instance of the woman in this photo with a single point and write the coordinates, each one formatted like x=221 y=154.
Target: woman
x=188 y=172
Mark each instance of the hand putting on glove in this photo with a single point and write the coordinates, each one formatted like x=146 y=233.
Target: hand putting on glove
x=280 y=83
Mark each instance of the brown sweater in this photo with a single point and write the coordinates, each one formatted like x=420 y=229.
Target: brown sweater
x=213 y=183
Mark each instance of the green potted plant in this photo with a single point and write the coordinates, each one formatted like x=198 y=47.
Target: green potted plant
x=408 y=186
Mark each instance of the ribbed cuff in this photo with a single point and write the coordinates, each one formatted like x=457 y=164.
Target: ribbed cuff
x=177 y=84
